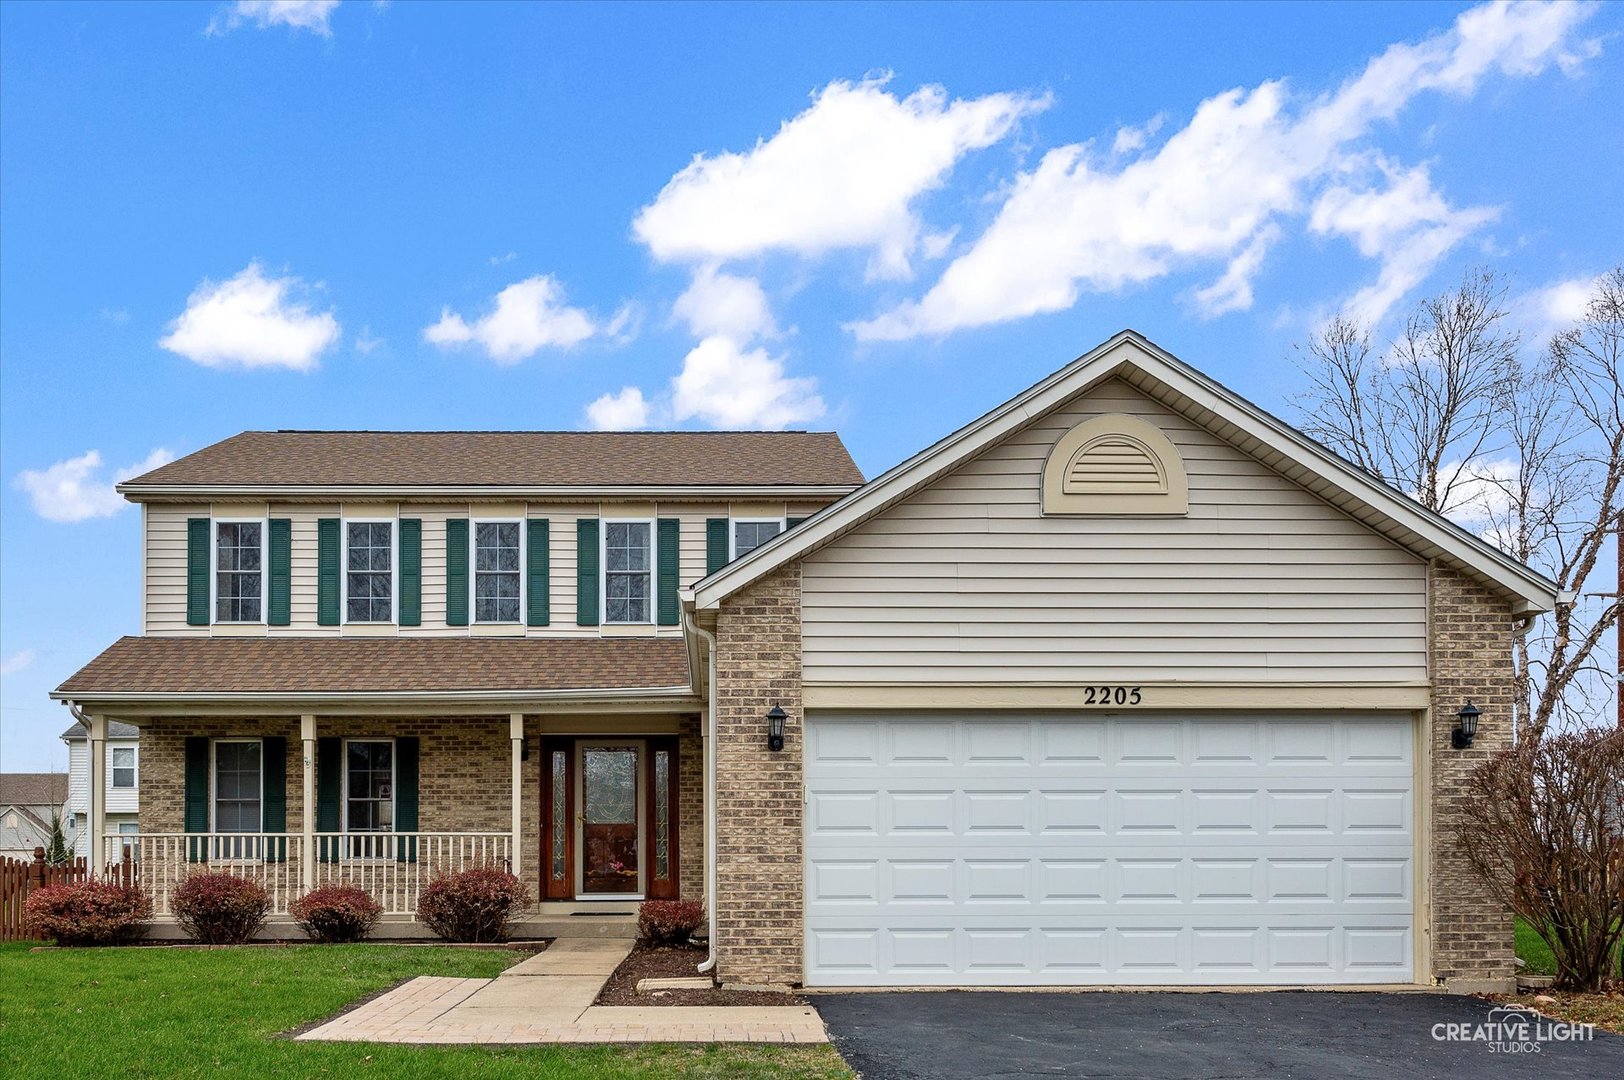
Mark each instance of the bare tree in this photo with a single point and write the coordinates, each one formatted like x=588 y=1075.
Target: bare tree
x=1526 y=453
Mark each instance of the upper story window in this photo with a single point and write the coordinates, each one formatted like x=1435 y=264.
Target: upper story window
x=369 y=571
x=239 y=551
x=498 y=587
x=124 y=766
x=751 y=533
x=626 y=577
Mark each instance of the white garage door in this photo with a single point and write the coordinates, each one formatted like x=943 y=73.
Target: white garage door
x=1150 y=849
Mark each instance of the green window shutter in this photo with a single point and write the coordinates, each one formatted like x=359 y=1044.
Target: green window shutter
x=327 y=564
x=790 y=523
x=329 y=789
x=406 y=754
x=537 y=607
x=667 y=570
x=456 y=572
x=273 y=756
x=586 y=572
x=197 y=571
x=279 y=589
x=715 y=544
x=197 y=796
x=411 y=571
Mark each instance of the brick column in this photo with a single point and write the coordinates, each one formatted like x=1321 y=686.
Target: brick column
x=1470 y=637
x=759 y=792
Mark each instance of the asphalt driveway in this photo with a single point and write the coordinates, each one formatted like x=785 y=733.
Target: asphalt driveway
x=949 y=1035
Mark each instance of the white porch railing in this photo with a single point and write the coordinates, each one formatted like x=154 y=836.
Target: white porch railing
x=392 y=867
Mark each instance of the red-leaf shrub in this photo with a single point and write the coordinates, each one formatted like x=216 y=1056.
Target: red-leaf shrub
x=669 y=922
x=472 y=905
x=88 y=913
x=221 y=909
x=336 y=914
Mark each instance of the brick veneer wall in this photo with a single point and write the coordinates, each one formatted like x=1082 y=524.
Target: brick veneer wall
x=690 y=809
x=1470 y=640
x=758 y=870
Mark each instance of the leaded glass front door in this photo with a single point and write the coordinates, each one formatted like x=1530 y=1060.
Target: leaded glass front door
x=610 y=787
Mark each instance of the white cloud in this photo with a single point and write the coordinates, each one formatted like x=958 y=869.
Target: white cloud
x=1546 y=311
x=1233 y=290
x=1130 y=139
x=843 y=174
x=251 y=321
x=730 y=387
x=309 y=15
x=1207 y=194
x=528 y=316
x=77 y=489
x=625 y=411
x=365 y=343
x=16 y=662
x=722 y=303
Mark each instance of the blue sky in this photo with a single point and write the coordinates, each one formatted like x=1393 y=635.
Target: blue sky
x=878 y=219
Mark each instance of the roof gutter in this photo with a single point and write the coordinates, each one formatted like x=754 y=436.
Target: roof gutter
x=239 y=492
x=661 y=693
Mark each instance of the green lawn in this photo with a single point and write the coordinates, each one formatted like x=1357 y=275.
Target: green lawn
x=1533 y=951
x=149 y=1012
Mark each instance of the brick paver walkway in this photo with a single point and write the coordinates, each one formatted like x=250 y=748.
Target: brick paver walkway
x=548 y=999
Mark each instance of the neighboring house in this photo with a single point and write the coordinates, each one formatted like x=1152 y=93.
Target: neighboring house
x=1124 y=682
x=122 y=785
x=27 y=801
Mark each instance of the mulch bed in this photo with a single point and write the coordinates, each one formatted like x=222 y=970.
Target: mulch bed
x=677 y=961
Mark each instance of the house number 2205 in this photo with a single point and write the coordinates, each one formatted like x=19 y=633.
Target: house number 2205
x=1111 y=695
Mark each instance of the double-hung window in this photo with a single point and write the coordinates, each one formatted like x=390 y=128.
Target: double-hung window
x=498 y=584
x=239 y=797
x=369 y=796
x=751 y=533
x=239 y=560
x=123 y=766
x=369 y=571
x=627 y=583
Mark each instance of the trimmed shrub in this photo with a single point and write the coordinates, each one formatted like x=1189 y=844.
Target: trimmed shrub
x=88 y=913
x=472 y=905
x=336 y=914
x=669 y=922
x=218 y=908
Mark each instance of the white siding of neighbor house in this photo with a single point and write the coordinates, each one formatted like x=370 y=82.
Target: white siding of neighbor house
x=966 y=582
x=119 y=800
x=166 y=559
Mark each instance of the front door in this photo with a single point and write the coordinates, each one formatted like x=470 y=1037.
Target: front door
x=609 y=817
x=611 y=803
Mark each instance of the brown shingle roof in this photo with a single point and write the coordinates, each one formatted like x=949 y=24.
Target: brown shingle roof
x=158 y=666
x=33 y=789
x=515 y=458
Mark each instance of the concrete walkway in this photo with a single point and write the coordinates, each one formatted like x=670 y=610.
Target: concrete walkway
x=548 y=999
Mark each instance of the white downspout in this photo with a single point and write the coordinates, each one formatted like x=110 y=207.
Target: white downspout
x=710 y=791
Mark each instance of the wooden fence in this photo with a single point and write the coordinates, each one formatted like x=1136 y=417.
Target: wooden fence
x=19 y=877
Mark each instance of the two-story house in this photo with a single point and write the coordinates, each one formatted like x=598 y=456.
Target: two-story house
x=1125 y=681
x=121 y=799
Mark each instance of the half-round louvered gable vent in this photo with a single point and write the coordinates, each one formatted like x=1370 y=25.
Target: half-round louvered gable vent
x=1114 y=464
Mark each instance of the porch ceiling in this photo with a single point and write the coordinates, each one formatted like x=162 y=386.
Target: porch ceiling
x=160 y=667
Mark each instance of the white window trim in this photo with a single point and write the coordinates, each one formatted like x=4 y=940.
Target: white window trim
x=344 y=786
x=473 y=571
x=135 y=768
x=394 y=571
x=733 y=532
x=214 y=569
x=214 y=776
x=603 y=570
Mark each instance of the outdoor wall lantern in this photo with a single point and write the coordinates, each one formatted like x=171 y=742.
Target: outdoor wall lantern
x=775 y=729
x=1466 y=730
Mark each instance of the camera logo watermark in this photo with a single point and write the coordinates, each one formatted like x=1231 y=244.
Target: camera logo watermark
x=1513 y=1030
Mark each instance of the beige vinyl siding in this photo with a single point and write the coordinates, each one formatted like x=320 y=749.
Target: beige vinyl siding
x=165 y=562
x=302 y=568
x=966 y=582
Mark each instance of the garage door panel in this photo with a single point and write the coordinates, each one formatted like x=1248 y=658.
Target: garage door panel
x=1140 y=850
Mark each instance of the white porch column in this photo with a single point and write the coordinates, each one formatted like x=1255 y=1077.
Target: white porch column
x=97 y=823
x=516 y=734
x=307 y=816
